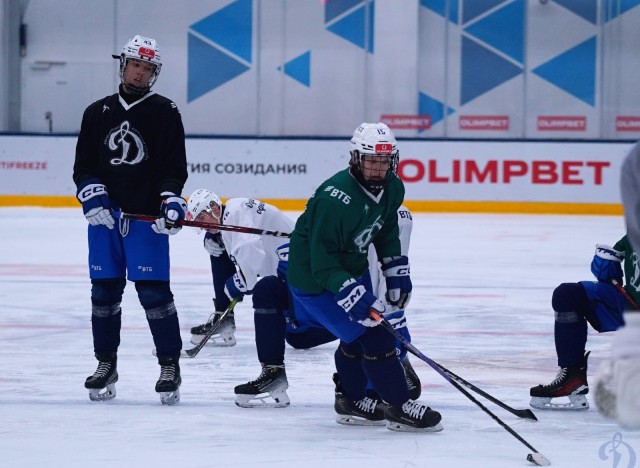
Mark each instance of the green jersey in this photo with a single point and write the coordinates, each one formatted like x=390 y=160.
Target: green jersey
x=631 y=269
x=330 y=241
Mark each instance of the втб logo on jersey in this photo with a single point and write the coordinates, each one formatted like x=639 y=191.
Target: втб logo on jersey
x=364 y=237
x=129 y=141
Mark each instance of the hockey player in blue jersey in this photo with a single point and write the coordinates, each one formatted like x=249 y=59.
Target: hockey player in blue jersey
x=130 y=155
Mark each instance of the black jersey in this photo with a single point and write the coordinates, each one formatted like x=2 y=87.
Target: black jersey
x=136 y=150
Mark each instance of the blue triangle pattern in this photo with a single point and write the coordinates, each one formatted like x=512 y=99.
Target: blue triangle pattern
x=427 y=105
x=208 y=68
x=615 y=8
x=334 y=8
x=440 y=7
x=504 y=30
x=482 y=70
x=573 y=71
x=587 y=9
x=352 y=28
x=299 y=68
x=474 y=8
x=231 y=27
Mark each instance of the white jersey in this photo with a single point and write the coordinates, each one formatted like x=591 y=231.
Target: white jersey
x=405 y=225
x=630 y=191
x=254 y=255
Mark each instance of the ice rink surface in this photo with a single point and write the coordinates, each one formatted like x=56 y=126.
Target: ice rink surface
x=480 y=306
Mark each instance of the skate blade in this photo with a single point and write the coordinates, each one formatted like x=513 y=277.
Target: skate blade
x=576 y=403
x=351 y=420
x=169 y=398
x=263 y=400
x=398 y=427
x=103 y=394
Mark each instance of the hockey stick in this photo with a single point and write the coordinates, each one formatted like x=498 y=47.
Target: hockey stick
x=521 y=413
x=205 y=225
x=193 y=352
x=622 y=291
x=536 y=457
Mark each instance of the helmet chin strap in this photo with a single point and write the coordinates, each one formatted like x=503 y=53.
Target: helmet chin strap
x=374 y=187
x=130 y=89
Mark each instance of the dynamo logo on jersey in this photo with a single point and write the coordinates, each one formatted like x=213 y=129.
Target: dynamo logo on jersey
x=129 y=143
x=364 y=237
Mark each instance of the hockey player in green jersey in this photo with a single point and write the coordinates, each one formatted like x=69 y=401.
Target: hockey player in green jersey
x=331 y=287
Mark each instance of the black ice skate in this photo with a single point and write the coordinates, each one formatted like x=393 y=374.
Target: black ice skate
x=368 y=411
x=571 y=382
x=412 y=417
x=267 y=391
x=413 y=381
x=223 y=336
x=101 y=384
x=168 y=385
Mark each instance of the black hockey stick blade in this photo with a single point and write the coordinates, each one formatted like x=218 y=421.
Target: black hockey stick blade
x=193 y=352
x=521 y=413
x=205 y=225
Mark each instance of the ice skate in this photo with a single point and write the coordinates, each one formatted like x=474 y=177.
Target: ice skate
x=413 y=381
x=101 y=384
x=369 y=411
x=364 y=412
x=571 y=382
x=267 y=391
x=223 y=336
x=168 y=385
x=412 y=417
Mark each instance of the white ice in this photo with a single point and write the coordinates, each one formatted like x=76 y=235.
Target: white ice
x=480 y=306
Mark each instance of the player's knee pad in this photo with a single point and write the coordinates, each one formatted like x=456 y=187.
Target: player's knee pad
x=156 y=298
x=569 y=297
x=349 y=351
x=377 y=341
x=270 y=293
x=106 y=296
x=571 y=305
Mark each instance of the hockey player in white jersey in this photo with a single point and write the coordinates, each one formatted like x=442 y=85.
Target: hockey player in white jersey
x=238 y=260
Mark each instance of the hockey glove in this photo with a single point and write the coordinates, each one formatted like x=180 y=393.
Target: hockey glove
x=357 y=301
x=396 y=272
x=95 y=203
x=605 y=265
x=213 y=244
x=283 y=261
x=235 y=287
x=172 y=211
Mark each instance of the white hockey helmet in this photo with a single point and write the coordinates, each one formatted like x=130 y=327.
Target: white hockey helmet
x=372 y=139
x=143 y=49
x=203 y=200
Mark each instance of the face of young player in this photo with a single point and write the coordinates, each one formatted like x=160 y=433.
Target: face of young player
x=375 y=167
x=138 y=73
x=207 y=216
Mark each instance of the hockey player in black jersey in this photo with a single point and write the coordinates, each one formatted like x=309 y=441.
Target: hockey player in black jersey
x=130 y=156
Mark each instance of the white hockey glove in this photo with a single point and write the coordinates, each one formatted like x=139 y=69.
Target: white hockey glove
x=396 y=272
x=95 y=203
x=172 y=211
x=357 y=302
x=236 y=287
x=213 y=244
x=618 y=382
